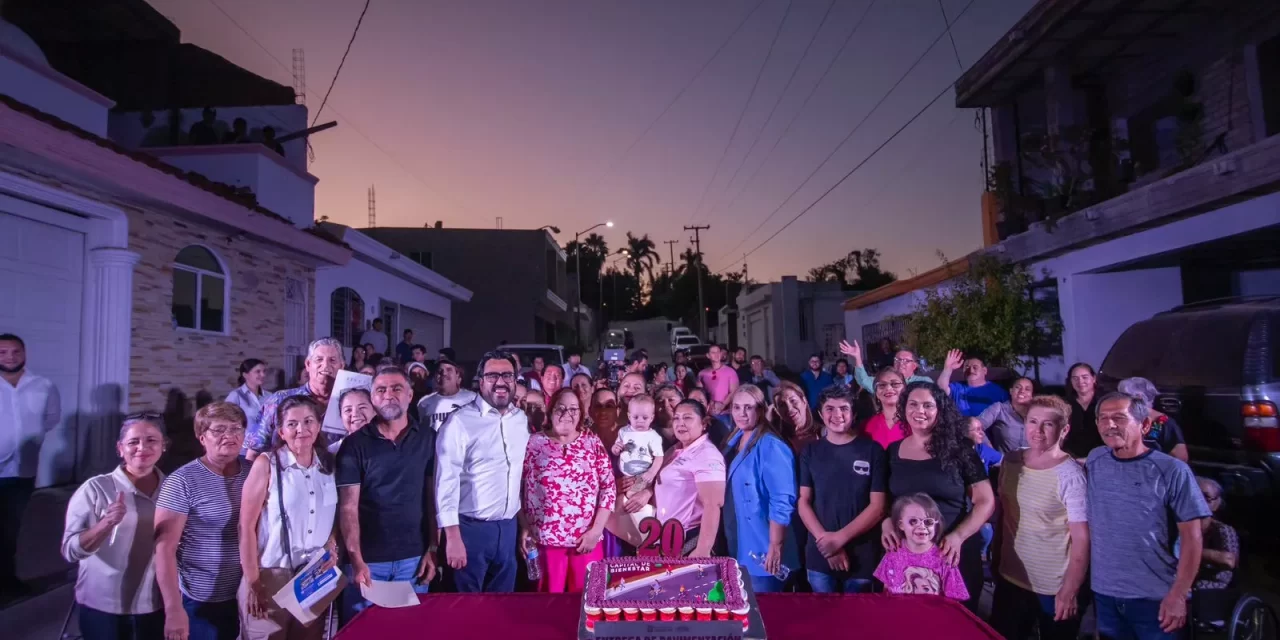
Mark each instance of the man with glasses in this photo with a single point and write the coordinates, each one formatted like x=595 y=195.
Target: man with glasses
x=384 y=473
x=30 y=408
x=1138 y=499
x=904 y=362
x=324 y=361
x=479 y=459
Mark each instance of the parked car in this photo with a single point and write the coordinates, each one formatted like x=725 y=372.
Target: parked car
x=1217 y=367
x=680 y=331
x=698 y=358
x=683 y=342
x=552 y=354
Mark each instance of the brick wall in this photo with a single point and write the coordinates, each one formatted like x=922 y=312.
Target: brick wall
x=1214 y=55
x=173 y=369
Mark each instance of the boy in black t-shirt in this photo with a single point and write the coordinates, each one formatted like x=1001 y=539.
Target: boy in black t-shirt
x=843 y=480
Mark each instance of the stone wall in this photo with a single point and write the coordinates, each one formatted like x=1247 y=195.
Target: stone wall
x=175 y=370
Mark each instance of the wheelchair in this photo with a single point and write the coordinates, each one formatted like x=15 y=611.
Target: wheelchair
x=1232 y=614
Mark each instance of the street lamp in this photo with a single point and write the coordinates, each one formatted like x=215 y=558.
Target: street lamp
x=577 y=269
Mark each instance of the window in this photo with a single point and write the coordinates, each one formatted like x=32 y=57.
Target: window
x=346 y=316
x=421 y=257
x=199 y=291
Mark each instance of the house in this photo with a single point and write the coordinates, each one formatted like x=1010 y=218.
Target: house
x=786 y=322
x=137 y=283
x=1135 y=159
x=517 y=277
x=879 y=314
x=381 y=283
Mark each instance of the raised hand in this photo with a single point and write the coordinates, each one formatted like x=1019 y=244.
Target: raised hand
x=955 y=359
x=852 y=350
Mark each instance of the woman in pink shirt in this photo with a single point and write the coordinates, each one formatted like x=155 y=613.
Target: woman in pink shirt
x=884 y=426
x=690 y=487
x=569 y=493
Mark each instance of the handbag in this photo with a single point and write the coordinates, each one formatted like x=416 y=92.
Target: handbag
x=284 y=519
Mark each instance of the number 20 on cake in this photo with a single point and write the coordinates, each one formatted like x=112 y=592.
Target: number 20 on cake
x=658 y=597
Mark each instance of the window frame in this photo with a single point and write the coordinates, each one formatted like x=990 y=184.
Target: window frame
x=199 y=274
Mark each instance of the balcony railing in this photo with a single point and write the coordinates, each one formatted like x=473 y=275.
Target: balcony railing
x=1214 y=183
x=277 y=185
x=557 y=301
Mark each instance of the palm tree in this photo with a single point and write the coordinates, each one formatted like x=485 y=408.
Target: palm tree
x=595 y=245
x=642 y=254
x=690 y=260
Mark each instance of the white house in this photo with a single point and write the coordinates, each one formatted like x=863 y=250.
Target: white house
x=786 y=322
x=382 y=283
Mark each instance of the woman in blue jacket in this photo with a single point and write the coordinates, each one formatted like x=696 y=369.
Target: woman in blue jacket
x=761 y=496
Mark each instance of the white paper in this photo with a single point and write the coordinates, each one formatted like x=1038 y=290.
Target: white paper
x=308 y=594
x=345 y=380
x=391 y=595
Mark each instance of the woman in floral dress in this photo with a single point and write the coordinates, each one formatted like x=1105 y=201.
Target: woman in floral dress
x=569 y=492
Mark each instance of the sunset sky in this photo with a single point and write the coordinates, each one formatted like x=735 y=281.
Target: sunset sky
x=466 y=111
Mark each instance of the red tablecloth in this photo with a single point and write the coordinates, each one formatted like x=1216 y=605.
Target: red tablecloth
x=535 y=616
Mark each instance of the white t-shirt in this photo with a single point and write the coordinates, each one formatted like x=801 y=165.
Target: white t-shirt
x=377 y=339
x=434 y=408
x=639 y=448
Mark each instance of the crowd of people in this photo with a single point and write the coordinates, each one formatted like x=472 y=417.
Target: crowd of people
x=516 y=476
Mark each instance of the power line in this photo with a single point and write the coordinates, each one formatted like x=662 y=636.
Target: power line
x=343 y=61
x=796 y=116
x=350 y=123
x=610 y=167
x=781 y=94
x=842 y=180
x=945 y=23
x=754 y=85
x=853 y=131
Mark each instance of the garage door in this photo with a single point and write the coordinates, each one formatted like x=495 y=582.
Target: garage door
x=41 y=279
x=428 y=328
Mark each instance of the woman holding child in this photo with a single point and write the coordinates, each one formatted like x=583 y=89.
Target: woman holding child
x=938 y=459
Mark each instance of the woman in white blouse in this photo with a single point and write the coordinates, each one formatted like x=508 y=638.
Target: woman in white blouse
x=286 y=520
x=109 y=531
x=248 y=396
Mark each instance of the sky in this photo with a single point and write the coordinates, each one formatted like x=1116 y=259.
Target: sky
x=544 y=112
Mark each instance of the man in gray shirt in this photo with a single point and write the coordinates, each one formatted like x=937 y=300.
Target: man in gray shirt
x=1141 y=502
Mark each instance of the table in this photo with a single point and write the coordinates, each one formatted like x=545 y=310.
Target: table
x=543 y=616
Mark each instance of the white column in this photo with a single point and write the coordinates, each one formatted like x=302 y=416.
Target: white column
x=105 y=340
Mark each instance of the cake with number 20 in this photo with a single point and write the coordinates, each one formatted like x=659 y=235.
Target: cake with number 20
x=656 y=589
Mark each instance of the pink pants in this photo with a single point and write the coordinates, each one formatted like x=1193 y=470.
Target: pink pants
x=564 y=569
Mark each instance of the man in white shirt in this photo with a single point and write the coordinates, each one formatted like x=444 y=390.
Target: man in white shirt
x=479 y=459
x=376 y=337
x=574 y=366
x=29 y=408
x=435 y=407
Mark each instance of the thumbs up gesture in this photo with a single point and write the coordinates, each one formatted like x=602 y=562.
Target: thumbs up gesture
x=115 y=513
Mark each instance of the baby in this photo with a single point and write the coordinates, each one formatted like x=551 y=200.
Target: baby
x=916 y=565
x=639 y=451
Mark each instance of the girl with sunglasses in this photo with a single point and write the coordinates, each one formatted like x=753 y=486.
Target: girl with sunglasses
x=917 y=565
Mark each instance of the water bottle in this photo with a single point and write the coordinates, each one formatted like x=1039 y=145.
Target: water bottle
x=535 y=571
x=782 y=572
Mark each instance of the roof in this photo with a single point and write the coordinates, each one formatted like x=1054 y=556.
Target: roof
x=1082 y=35
x=239 y=197
x=900 y=287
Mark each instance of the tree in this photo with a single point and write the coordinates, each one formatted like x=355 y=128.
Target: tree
x=642 y=254
x=860 y=269
x=989 y=311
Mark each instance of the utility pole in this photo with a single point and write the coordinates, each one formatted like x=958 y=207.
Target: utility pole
x=373 y=209
x=697 y=244
x=671 y=248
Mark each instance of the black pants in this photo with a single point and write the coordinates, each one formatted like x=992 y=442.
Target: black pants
x=971 y=570
x=99 y=625
x=15 y=493
x=1016 y=613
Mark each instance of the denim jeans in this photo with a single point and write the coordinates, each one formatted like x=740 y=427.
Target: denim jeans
x=392 y=571
x=100 y=625
x=765 y=584
x=1132 y=619
x=827 y=583
x=212 y=620
x=1016 y=612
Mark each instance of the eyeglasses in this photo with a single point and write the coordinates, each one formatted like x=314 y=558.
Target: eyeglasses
x=225 y=431
x=928 y=522
x=881 y=386
x=492 y=378
x=560 y=412
x=903 y=360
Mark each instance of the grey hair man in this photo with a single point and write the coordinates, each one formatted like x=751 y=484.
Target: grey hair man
x=1138 y=499
x=324 y=361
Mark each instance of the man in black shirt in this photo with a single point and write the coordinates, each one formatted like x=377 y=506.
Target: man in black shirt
x=843 y=480
x=384 y=476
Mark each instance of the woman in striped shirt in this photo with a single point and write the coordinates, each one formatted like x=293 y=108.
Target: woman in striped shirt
x=1044 y=550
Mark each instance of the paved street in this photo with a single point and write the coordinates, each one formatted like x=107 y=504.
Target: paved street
x=653 y=335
